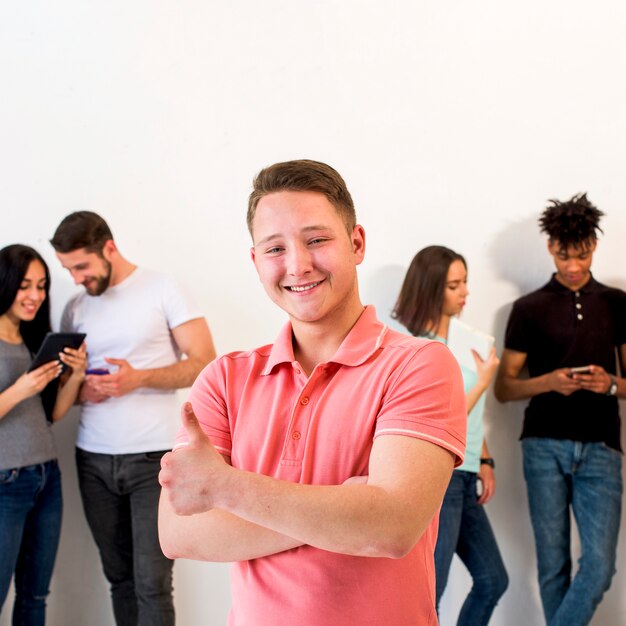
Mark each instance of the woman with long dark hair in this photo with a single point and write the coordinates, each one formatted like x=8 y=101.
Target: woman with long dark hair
x=30 y=481
x=434 y=291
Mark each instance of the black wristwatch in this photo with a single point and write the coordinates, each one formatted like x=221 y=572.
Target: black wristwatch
x=488 y=461
x=612 y=390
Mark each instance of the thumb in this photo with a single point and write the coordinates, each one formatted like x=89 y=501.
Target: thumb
x=116 y=361
x=191 y=424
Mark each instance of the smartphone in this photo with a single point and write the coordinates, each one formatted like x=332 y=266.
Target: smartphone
x=585 y=369
x=97 y=371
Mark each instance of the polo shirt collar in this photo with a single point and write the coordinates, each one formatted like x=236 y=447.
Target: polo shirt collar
x=591 y=286
x=364 y=338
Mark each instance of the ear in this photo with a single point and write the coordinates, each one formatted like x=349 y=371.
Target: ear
x=108 y=249
x=358 y=243
x=253 y=257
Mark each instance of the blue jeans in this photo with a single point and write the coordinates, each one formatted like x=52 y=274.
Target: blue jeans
x=465 y=529
x=587 y=477
x=120 y=496
x=30 y=525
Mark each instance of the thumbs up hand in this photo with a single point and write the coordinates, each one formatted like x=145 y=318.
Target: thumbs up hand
x=192 y=474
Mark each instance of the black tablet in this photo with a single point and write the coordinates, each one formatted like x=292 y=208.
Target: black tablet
x=54 y=343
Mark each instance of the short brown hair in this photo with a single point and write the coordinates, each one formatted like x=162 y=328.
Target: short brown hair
x=83 y=229
x=303 y=175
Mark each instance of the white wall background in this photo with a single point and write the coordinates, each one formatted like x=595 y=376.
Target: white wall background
x=452 y=122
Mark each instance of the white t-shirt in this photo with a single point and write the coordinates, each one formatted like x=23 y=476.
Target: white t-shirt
x=131 y=320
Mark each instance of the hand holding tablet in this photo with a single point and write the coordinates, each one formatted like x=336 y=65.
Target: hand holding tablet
x=52 y=345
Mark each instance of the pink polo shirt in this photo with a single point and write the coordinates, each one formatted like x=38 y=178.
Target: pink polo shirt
x=259 y=408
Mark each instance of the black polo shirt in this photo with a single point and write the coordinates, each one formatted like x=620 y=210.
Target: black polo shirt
x=557 y=327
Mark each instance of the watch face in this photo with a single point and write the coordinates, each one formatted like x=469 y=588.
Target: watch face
x=613 y=389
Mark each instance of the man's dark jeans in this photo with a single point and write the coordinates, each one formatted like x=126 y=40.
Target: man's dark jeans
x=120 y=496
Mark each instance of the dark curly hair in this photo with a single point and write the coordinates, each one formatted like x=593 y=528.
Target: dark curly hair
x=572 y=222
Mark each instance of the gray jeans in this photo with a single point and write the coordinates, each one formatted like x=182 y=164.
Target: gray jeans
x=120 y=496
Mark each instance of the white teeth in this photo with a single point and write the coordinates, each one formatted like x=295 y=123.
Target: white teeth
x=304 y=288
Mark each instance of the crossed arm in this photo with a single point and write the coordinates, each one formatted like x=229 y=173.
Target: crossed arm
x=212 y=511
x=194 y=340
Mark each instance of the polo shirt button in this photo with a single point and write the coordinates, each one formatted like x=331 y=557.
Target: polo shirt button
x=304 y=400
x=296 y=435
x=577 y=294
x=579 y=316
x=296 y=370
x=578 y=305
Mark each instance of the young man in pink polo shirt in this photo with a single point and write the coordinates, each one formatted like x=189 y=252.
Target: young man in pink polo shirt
x=317 y=464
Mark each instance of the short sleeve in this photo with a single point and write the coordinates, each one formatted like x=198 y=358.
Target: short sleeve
x=178 y=304
x=207 y=397
x=67 y=318
x=425 y=399
x=517 y=332
x=619 y=316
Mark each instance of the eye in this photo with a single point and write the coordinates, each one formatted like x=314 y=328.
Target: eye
x=317 y=240
x=274 y=250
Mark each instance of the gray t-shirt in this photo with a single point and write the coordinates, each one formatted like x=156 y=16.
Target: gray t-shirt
x=25 y=434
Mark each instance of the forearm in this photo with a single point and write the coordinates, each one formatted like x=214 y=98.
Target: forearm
x=356 y=519
x=9 y=398
x=67 y=396
x=473 y=395
x=621 y=387
x=216 y=536
x=484 y=453
x=511 y=388
x=176 y=376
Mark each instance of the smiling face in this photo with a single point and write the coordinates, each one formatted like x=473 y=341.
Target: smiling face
x=89 y=269
x=30 y=294
x=573 y=263
x=455 y=293
x=306 y=259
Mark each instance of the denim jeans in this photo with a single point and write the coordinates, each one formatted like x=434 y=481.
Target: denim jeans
x=587 y=477
x=30 y=525
x=465 y=529
x=120 y=496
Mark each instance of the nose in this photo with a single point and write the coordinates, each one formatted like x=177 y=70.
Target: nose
x=299 y=260
x=573 y=265
x=77 y=276
x=35 y=294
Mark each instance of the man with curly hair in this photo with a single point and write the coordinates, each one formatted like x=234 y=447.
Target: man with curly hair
x=570 y=334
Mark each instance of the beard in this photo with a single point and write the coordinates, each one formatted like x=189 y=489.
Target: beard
x=97 y=285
